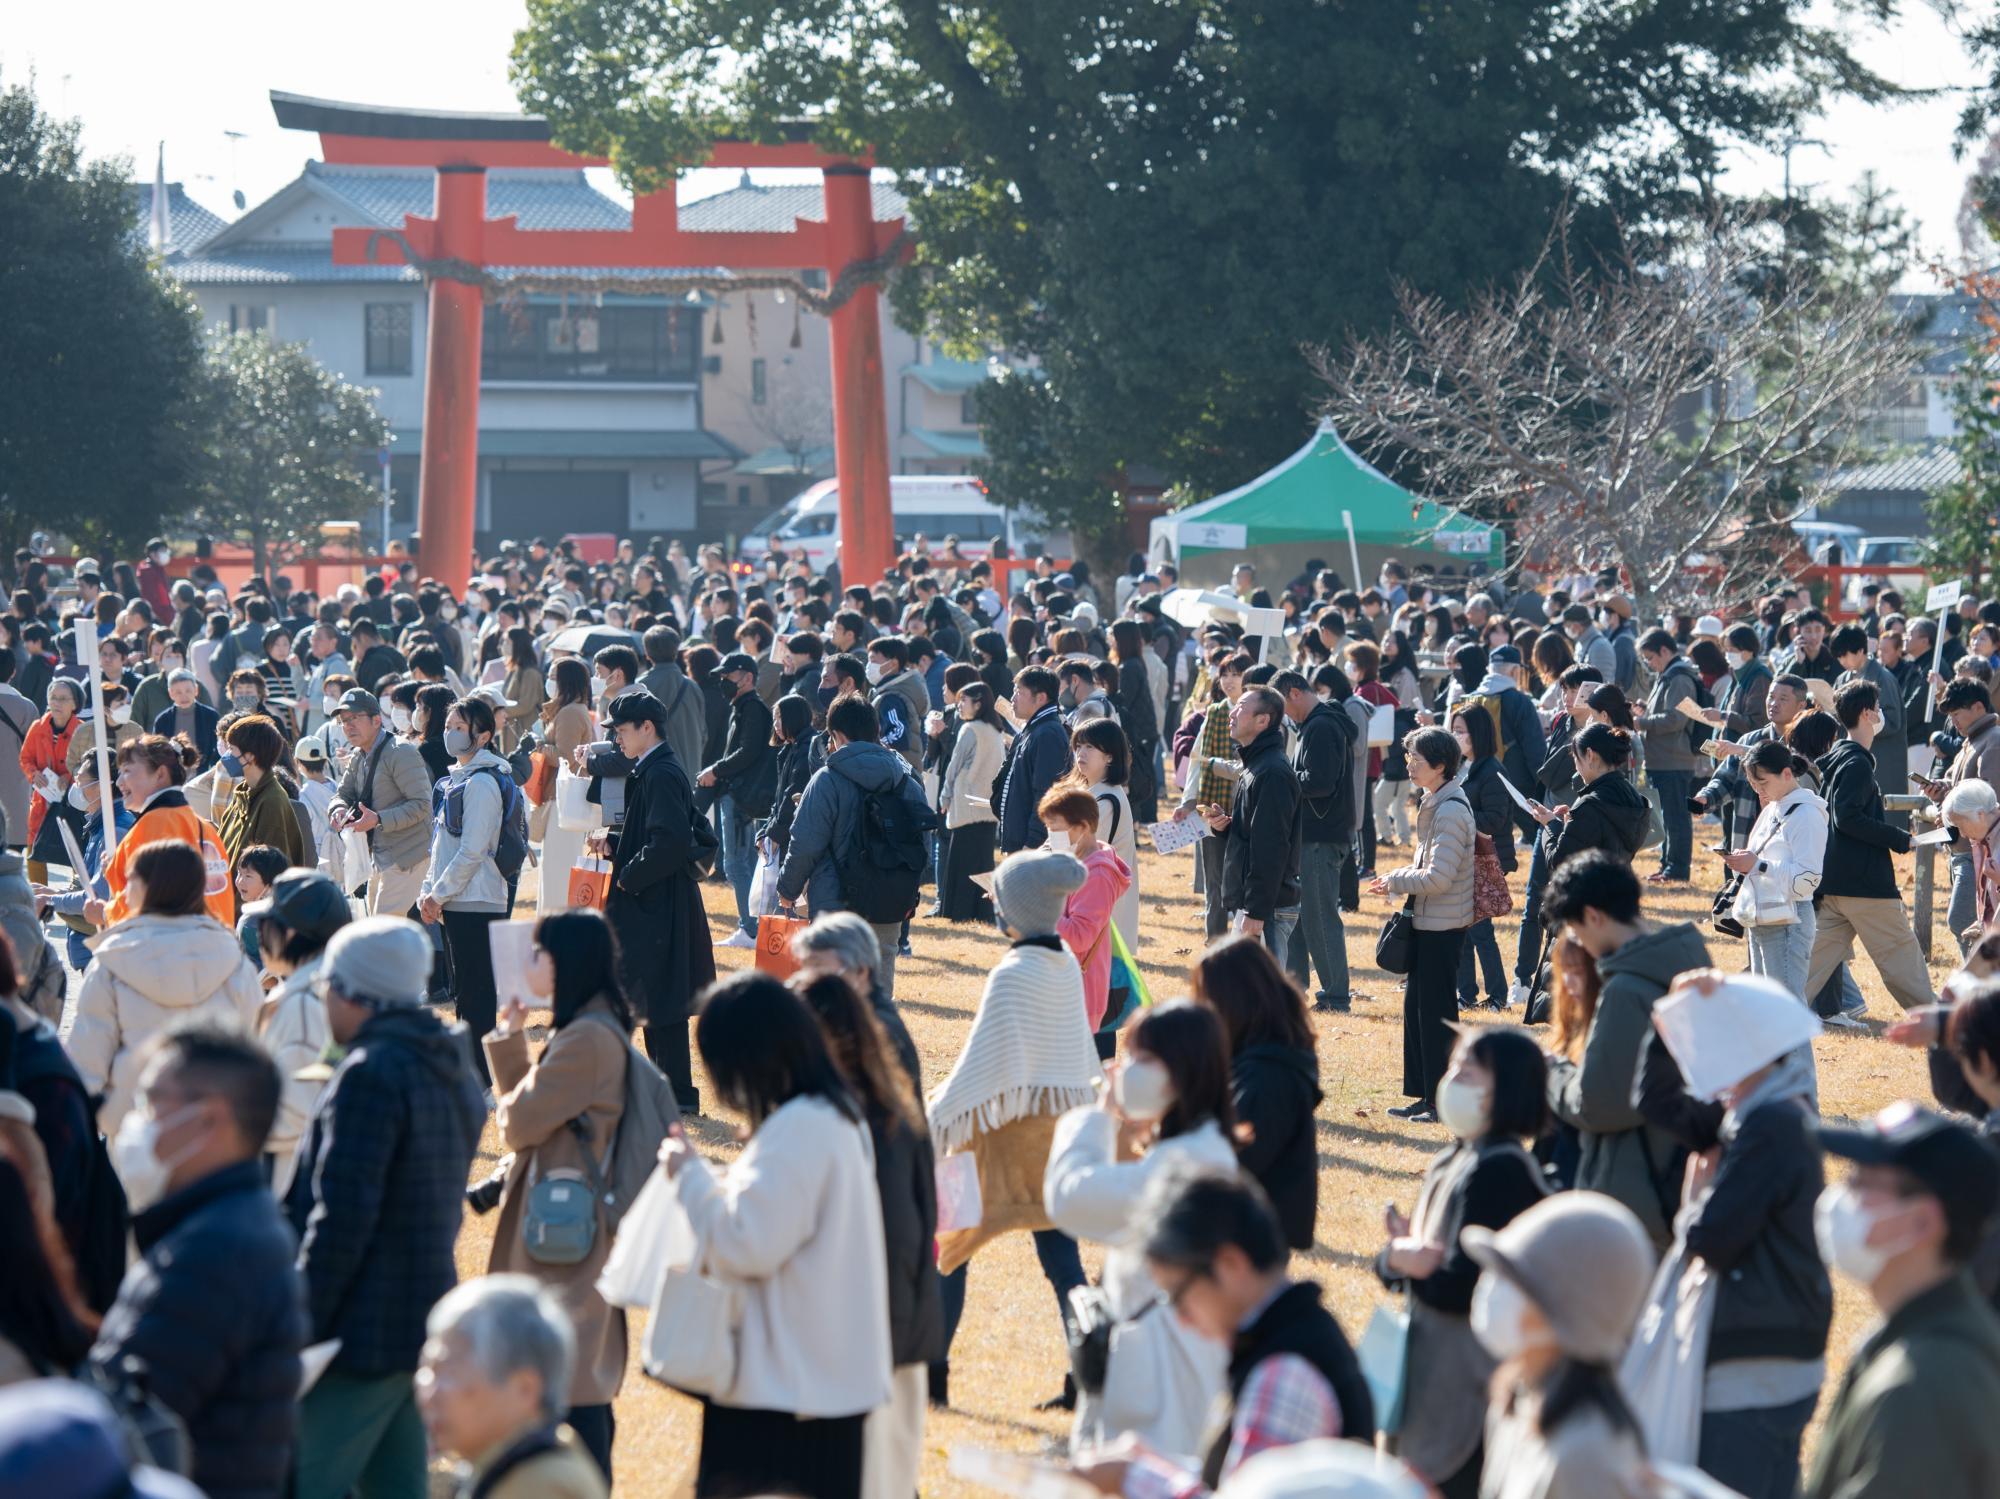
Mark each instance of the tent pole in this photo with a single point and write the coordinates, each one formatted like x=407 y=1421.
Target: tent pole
x=1353 y=551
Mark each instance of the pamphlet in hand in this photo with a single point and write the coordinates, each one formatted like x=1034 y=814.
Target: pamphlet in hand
x=1171 y=837
x=512 y=944
x=1934 y=836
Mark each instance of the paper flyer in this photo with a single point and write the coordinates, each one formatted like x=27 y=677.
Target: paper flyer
x=1934 y=836
x=1689 y=708
x=1519 y=800
x=1171 y=837
x=512 y=943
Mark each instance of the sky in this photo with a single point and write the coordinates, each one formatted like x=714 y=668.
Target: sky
x=189 y=75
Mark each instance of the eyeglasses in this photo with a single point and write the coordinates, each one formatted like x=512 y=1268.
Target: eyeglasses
x=1187 y=1283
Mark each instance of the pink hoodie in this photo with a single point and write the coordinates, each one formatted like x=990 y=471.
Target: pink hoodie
x=1086 y=922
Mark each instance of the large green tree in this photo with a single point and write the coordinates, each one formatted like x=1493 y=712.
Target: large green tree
x=1162 y=201
x=285 y=442
x=99 y=349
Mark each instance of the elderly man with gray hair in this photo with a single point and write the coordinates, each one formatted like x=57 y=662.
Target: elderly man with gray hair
x=496 y=1367
x=376 y=1201
x=845 y=946
x=1971 y=809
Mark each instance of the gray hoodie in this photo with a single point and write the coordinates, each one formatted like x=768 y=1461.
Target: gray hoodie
x=462 y=875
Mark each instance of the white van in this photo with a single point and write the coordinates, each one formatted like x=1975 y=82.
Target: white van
x=931 y=505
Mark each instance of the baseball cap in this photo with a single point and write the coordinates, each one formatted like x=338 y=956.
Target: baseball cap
x=58 y=1436
x=87 y=568
x=309 y=751
x=737 y=661
x=359 y=700
x=1709 y=625
x=1505 y=655
x=306 y=901
x=379 y=960
x=1950 y=1162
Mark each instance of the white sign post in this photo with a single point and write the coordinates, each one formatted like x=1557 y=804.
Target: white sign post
x=1943 y=598
x=86 y=657
x=1353 y=551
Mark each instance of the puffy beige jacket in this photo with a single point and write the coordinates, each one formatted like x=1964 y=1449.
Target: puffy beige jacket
x=291 y=1022
x=1441 y=876
x=150 y=973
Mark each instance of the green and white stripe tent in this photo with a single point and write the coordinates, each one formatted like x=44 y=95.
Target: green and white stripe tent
x=1298 y=511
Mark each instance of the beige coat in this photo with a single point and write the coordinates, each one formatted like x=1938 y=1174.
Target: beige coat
x=581 y=1071
x=292 y=1025
x=1441 y=876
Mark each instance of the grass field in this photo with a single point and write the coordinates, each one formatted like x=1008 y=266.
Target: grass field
x=1008 y=1355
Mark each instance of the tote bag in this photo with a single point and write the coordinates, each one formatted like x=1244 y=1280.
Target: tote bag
x=590 y=883
x=1490 y=895
x=696 y=1318
x=1666 y=1364
x=774 y=944
x=574 y=812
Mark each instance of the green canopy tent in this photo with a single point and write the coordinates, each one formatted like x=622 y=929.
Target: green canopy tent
x=1298 y=511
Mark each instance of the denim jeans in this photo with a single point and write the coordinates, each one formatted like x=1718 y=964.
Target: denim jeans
x=1278 y=932
x=1062 y=1266
x=1528 y=953
x=1963 y=908
x=1214 y=917
x=739 y=857
x=1319 y=917
x=1756 y=1452
x=1784 y=952
x=1674 y=788
x=1480 y=943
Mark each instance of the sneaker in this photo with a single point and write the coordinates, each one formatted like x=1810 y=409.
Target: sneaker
x=903 y=948
x=1423 y=1116
x=936 y=908
x=1517 y=994
x=1326 y=1004
x=1849 y=1020
x=1410 y=1110
x=1497 y=1002
x=738 y=938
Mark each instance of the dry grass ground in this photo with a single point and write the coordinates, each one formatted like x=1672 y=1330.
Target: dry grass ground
x=1008 y=1355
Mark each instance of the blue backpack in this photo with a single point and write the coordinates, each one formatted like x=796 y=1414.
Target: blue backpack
x=511 y=852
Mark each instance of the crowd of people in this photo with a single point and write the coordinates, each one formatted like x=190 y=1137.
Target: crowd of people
x=256 y=1028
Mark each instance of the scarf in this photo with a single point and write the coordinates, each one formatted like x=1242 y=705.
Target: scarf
x=1791 y=1077
x=1029 y=1051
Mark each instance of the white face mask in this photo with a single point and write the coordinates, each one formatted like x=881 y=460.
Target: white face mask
x=1841 y=1225
x=874 y=673
x=329 y=706
x=1144 y=1090
x=135 y=1156
x=400 y=718
x=597 y=686
x=1462 y=1107
x=1737 y=659
x=1499 y=1313
x=77 y=799
x=121 y=715
x=171 y=663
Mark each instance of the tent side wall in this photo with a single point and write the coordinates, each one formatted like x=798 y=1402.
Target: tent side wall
x=1277 y=564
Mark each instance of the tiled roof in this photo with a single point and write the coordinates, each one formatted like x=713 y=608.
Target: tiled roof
x=952 y=444
x=755 y=209
x=774 y=462
x=188 y=224
x=542 y=199
x=277 y=265
x=1923 y=472
x=949 y=377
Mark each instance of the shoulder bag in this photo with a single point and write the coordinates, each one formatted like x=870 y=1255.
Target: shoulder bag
x=559 y=1221
x=1490 y=895
x=1395 y=945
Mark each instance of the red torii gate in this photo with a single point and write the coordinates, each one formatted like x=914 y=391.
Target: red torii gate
x=461 y=148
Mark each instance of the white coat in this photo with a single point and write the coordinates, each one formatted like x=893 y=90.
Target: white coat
x=150 y=973
x=1161 y=1379
x=1789 y=840
x=797 y=1219
x=976 y=757
x=292 y=1025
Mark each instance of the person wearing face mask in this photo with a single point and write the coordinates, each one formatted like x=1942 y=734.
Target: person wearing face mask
x=385 y=796
x=965 y=797
x=1589 y=643
x=741 y=784
x=1491 y=1100
x=169 y=961
x=1169 y=1106
x=1914 y=1410
x=1071 y=816
x=259 y=811
x=1859 y=897
x=464 y=890
x=1558 y=1426
x=154 y=586
x=617 y=668
x=213 y=1306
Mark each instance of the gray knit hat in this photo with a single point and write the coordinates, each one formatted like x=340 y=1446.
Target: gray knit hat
x=1030 y=886
x=379 y=960
x=1540 y=1251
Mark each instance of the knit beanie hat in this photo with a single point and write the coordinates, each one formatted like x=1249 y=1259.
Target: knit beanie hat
x=1030 y=887
x=1591 y=1315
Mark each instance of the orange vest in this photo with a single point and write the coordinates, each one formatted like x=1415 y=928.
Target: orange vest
x=176 y=824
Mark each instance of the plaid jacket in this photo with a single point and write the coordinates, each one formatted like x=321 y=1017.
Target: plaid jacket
x=1729 y=785
x=380 y=1187
x=1214 y=742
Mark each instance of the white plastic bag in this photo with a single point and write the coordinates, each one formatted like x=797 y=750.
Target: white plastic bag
x=959 y=1203
x=1666 y=1365
x=574 y=812
x=764 y=883
x=653 y=1229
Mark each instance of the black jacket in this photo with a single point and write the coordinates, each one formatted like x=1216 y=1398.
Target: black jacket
x=1323 y=760
x=1611 y=814
x=1296 y=1323
x=1260 y=857
x=1557 y=773
x=1492 y=808
x=216 y=1312
x=654 y=904
x=1038 y=756
x=1275 y=1089
x=205 y=720
x=378 y=662
x=794 y=769
x=1496 y=1187
x=748 y=768
x=380 y=1187
x=906 y=1180
x=1859 y=836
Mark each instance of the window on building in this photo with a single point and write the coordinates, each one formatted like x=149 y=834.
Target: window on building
x=253 y=317
x=968 y=408
x=388 y=338
x=743 y=493
x=628 y=341
x=814 y=277
x=759 y=389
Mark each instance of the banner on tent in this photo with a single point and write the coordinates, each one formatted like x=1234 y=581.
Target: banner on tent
x=1215 y=536
x=1472 y=542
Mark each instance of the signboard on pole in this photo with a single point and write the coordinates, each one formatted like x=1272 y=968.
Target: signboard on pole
x=86 y=655
x=1943 y=598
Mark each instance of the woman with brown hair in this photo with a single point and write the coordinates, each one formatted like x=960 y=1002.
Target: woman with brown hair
x=259 y=811
x=151 y=772
x=566 y=726
x=1273 y=1076
x=522 y=686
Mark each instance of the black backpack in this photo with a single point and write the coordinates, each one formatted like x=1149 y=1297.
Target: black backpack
x=511 y=852
x=883 y=865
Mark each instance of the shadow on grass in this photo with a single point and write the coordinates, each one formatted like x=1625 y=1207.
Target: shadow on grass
x=1334 y=1129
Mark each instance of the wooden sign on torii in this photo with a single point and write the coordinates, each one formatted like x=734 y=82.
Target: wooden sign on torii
x=462 y=148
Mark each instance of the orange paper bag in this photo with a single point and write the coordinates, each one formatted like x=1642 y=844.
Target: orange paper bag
x=774 y=945
x=590 y=883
